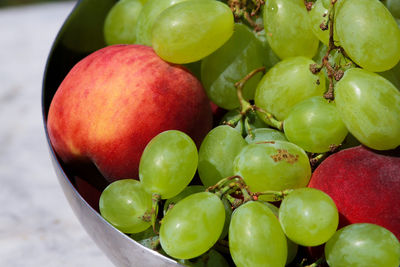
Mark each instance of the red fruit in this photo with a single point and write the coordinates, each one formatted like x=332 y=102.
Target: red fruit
x=113 y=102
x=365 y=186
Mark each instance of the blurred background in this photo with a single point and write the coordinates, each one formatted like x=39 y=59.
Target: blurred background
x=37 y=226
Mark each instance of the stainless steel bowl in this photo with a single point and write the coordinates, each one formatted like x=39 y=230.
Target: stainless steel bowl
x=80 y=35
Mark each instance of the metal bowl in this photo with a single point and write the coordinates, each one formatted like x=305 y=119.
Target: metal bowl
x=80 y=35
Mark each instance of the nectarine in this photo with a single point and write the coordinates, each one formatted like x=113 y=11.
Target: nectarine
x=365 y=186
x=115 y=100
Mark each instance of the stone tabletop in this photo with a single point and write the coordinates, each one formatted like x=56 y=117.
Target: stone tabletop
x=37 y=226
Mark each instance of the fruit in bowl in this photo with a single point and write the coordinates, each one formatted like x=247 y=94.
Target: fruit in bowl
x=134 y=113
x=127 y=95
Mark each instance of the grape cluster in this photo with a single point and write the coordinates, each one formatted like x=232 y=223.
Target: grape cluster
x=296 y=80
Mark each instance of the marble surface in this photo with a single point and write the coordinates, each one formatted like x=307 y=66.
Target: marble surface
x=37 y=226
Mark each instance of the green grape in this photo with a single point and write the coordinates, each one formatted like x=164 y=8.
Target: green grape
x=315 y=125
x=168 y=163
x=363 y=245
x=287 y=83
x=240 y=55
x=393 y=6
x=369 y=106
x=217 y=152
x=255 y=237
x=189 y=190
x=286 y=38
x=124 y=203
x=308 y=216
x=276 y=165
x=318 y=15
x=292 y=247
x=120 y=23
x=369 y=34
x=193 y=226
x=254 y=121
x=264 y=134
x=191 y=30
x=148 y=15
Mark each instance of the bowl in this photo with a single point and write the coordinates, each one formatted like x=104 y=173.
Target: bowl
x=80 y=35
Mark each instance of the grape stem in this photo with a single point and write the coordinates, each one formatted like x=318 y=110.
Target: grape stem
x=154 y=210
x=317 y=263
x=317 y=158
x=335 y=73
x=235 y=202
x=275 y=195
x=246 y=10
x=223 y=182
x=242 y=194
x=246 y=107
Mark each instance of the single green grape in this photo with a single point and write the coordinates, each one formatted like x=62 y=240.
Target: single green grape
x=275 y=165
x=369 y=106
x=189 y=190
x=240 y=55
x=191 y=30
x=121 y=20
x=168 y=163
x=255 y=237
x=363 y=245
x=315 y=125
x=123 y=203
x=193 y=226
x=217 y=153
x=369 y=34
x=148 y=15
x=308 y=216
x=264 y=135
x=286 y=38
x=287 y=83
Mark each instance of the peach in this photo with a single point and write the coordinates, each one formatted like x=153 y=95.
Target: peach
x=364 y=184
x=114 y=101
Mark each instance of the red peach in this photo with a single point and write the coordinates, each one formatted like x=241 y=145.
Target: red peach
x=114 y=101
x=364 y=184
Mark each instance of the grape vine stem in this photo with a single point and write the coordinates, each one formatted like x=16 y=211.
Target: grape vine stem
x=246 y=107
